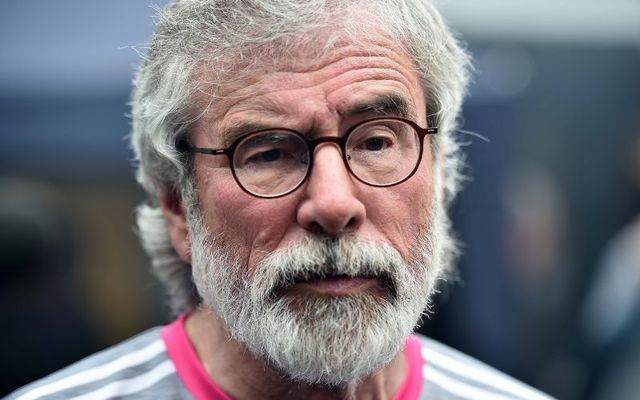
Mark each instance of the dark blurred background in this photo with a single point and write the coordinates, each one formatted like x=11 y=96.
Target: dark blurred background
x=550 y=277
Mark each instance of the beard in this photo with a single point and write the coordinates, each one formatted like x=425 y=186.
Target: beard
x=315 y=339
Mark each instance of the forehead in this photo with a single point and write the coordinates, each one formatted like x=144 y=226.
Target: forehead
x=343 y=77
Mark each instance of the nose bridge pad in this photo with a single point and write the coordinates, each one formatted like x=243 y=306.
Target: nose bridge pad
x=320 y=145
x=336 y=141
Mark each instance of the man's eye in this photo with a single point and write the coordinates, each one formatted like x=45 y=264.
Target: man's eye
x=374 y=144
x=268 y=155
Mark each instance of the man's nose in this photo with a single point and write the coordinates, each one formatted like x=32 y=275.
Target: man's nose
x=330 y=204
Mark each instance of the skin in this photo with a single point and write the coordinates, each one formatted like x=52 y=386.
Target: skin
x=322 y=98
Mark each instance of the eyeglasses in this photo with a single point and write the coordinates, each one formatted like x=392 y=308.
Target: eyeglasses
x=274 y=162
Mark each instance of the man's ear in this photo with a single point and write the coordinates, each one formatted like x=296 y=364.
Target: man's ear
x=176 y=220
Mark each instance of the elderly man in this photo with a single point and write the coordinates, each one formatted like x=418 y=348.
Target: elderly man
x=299 y=158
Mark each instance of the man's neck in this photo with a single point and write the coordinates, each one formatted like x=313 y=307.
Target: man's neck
x=237 y=372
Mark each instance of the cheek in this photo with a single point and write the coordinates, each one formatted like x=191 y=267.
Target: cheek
x=410 y=206
x=423 y=188
x=249 y=225
x=423 y=194
x=221 y=206
x=405 y=211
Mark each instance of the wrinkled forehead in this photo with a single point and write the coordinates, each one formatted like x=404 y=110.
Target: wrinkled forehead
x=215 y=82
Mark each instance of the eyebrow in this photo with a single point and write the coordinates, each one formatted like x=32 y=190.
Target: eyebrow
x=240 y=129
x=236 y=131
x=388 y=105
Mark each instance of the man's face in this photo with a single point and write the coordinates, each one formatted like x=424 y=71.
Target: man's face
x=336 y=264
x=347 y=87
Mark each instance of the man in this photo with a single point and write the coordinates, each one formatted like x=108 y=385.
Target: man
x=299 y=157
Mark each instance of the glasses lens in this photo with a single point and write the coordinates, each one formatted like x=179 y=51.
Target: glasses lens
x=383 y=152
x=271 y=163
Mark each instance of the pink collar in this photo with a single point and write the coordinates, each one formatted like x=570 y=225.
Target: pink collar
x=201 y=386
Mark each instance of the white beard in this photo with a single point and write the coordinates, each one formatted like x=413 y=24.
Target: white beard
x=324 y=340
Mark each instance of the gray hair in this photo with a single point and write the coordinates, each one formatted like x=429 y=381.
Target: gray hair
x=227 y=36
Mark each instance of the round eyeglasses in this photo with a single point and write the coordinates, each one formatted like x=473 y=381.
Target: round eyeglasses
x=274 y=162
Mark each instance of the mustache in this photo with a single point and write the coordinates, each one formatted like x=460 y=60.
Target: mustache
x=317 y=257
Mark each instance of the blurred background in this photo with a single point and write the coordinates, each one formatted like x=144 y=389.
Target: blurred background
x=549 y=285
